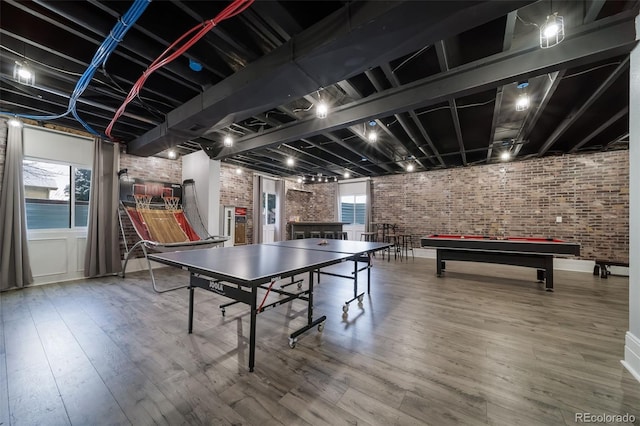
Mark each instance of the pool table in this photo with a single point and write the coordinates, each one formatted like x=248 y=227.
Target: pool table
x=530 y=252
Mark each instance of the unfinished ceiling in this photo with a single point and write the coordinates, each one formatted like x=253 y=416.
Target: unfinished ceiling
x=437 y=80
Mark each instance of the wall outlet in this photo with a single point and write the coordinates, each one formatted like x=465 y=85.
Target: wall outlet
x=558 y=219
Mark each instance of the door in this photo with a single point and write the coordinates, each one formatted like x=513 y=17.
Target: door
x=353 y=212
x=228 y=224
x=270 y=213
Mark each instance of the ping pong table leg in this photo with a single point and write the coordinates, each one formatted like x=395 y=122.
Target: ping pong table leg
x=252 y=328
x=191 y=290
x=368 y=273
x=293 y=337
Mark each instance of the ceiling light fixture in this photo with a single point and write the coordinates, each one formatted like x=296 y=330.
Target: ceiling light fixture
x=23 y=73
x=552 y=31
x=347 y=175
x=299 y=180
x=505 y=156
x=522 y=103
x=238 y=171
x=228 y=141
x=172 y=155
x=290 y=162
x=322 y=109
x=372 y=136
x=410 y=167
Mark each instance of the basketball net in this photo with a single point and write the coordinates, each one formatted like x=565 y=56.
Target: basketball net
x=143 y=201
x=171 y=203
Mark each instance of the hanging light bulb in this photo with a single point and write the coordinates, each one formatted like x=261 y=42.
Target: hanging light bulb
x=347 y=175
x=228 y=141
x=238 y=171
x=172 y=155
x=322 y=109
x=522 y=103
x=505 y=156
x=552 y=31
x=372 y=136
x=410 y=168
x=290 y=162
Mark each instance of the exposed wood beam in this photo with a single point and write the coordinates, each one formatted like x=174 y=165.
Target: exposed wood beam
x=441 y=53
x=617 y=116
x=395 y=82
x=509 y=28
x=534 y=114
x=603 y=39
x=577 y=113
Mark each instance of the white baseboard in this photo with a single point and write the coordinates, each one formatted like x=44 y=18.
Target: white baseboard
x=632 y=355
x=577 y=265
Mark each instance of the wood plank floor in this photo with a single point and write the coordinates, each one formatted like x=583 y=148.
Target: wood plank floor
x=482 y=345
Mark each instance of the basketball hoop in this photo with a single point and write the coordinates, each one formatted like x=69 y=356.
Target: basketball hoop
x=171 y=203
x=143 y=201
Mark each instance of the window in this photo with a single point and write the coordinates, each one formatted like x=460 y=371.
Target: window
x=353 y=209
x=53 y=199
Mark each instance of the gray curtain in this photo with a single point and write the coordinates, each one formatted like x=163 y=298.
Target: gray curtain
x=281 y=233
x=369 y=206
x=15 y=270
x=103 y=250
x=257 y=209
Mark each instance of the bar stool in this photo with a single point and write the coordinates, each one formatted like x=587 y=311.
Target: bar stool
x=343 y=235
x=298 y=235
x=396 y=245
x=329 y=235
x=368 y=236
x=407 y=244
x=315 y=234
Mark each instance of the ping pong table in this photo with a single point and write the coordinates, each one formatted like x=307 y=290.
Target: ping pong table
x=360 y=252
x=239 y=272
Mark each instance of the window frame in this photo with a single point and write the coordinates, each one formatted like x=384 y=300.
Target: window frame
x=71 y=223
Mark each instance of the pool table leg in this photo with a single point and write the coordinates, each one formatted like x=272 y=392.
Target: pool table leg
x=549 y=273
x=439 y=263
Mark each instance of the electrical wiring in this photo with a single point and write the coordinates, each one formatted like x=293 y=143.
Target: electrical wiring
x=100 y=58
x=185 y=41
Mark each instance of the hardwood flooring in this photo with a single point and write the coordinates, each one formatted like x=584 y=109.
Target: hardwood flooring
x=485 y=344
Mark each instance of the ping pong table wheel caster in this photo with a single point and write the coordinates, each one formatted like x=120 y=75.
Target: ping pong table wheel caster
x=321 y=327
x=299 y=286
x=345 y=308
x=223 y=311
x=292 y=342
x=360 y=298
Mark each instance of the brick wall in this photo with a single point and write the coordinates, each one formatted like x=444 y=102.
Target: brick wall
x=237 y=190
x=152 y=168
x=589 y=191
x=3 y=148
x=311 y=203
